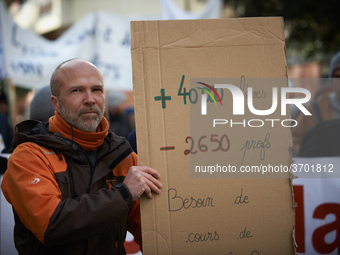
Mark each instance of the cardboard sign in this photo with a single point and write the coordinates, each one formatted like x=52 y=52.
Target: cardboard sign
x=198 y=212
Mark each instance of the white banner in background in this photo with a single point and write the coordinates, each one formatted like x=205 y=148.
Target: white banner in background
x=212 y=10
x=102 y=38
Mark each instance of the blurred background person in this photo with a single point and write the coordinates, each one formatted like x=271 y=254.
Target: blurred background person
x=41 y=107
x=318 y=135
x=6 y=132
x=121 y=120
x=4 y=108
x=6 y=137
x=132 y=139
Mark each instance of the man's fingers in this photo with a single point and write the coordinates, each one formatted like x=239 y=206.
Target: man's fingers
x=149 y=193
x=149 y=170
x=152 y=181
x=154 y=185
x=142 y=179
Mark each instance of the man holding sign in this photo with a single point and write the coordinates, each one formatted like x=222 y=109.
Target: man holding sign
x=73 y=184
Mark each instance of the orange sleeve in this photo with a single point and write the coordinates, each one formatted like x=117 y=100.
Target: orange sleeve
x=29 y=185
x=134 y=215
x=134 y=210
x=135 y=222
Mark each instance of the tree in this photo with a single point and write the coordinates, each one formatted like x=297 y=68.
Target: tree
x=312 y=28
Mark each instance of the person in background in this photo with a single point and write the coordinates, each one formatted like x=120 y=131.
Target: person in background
x=130 y=115
x=3 y=104
x=41 y=108
x=6 y=137
x=314 y=136
x=132 y=139
x=6 y=132
x=74 y=184
x=119 y=121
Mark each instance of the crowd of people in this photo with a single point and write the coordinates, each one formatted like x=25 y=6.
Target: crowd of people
x=72 y=178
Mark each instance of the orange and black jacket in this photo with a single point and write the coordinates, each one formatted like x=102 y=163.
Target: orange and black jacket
x=63 y=202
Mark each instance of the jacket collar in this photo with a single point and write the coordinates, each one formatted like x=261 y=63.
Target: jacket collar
x=88 y=140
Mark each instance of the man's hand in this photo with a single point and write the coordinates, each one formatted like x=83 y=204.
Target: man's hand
x=142 y=179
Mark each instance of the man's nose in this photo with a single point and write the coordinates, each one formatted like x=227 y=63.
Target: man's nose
x=89 y=98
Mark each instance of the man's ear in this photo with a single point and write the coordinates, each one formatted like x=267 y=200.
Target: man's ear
x=55 y=103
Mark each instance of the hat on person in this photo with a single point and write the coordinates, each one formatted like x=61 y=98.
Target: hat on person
x=335 y=64
x=41 y=107
x=115 y=98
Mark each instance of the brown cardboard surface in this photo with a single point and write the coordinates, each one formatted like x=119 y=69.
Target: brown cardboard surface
x=217 y=214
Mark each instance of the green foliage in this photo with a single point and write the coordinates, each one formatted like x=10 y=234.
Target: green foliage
x=311 y=27
x=21 y=92
x=8 y=2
